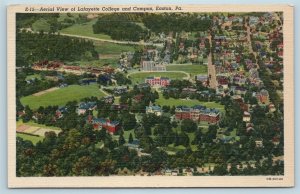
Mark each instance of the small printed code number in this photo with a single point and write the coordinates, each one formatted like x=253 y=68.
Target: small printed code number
x=274 y=179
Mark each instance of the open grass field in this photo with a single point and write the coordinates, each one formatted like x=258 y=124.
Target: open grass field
x=84 y=29
x=191 y=69
x=33 y=139
x=177 y=102
x=140 y=76
x=106 y=48
x=62 y=96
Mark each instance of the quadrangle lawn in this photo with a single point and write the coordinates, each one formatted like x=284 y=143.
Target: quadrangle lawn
x=191 y=102
x=62 y=96
x=140 y=76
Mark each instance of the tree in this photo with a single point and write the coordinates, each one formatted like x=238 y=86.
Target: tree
x=188 y=125
x=130 y=140
x=128 y=121
x=121 y=140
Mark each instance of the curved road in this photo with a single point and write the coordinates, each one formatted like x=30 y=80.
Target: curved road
x=112 y=41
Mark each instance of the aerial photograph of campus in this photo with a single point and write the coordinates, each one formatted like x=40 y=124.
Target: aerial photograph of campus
x=149 y=94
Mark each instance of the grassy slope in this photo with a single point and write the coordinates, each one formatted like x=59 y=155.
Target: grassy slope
x=62 y=96
x=192 y=69
x=140 y=77
x=85 y=29
x=41 y=25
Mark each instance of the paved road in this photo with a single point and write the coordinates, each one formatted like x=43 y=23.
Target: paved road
x=101 y=39
x=113 y=41
x=249 y=41
x=211 y=70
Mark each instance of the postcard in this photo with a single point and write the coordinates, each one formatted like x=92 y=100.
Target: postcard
x=129 y=96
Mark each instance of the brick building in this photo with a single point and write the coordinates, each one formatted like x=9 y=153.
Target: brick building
x=198 y=113
x=100 y=123
x=157 y=81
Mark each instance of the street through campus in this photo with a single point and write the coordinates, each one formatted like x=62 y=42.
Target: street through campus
x=211 y=69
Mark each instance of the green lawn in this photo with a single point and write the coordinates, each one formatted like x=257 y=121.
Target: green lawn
x=62 y=96
x=37 y=76
x=112 y=48
x=96 y=63
x=177 y=102
x=33 y=139
x=41 y=25
x=85 y=29
x=140 y=77
x=191 y=69
x=127 y=133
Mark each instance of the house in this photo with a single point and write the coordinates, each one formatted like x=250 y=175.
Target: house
x=197 y=113
x=249 y=127
x=259 y=143
x=60 y=111
x=262 y=96
x=223 y=81
x=158 y=81
x=85 y=106
x=63 y=85
x=246 y=116
x=202 y=78
x=189 y=91
x=153 y=109
x=119 y=107
x=108 y=99
x=120 y=90
x=138 y=98
x=187 y=171
x=272 y=107
x=143 y=86
x=253 y=73
x=276 y=141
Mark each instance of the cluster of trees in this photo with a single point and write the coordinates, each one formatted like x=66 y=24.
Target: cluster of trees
x=119 y=28
x=26 y=20
x=138 y=106
x=121 y=79
x=176 y=22
x=35 y=85
x=76 y=151
x=175 y=90
x=33 y=47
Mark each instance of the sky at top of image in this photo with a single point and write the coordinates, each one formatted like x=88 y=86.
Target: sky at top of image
x=3 y=100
